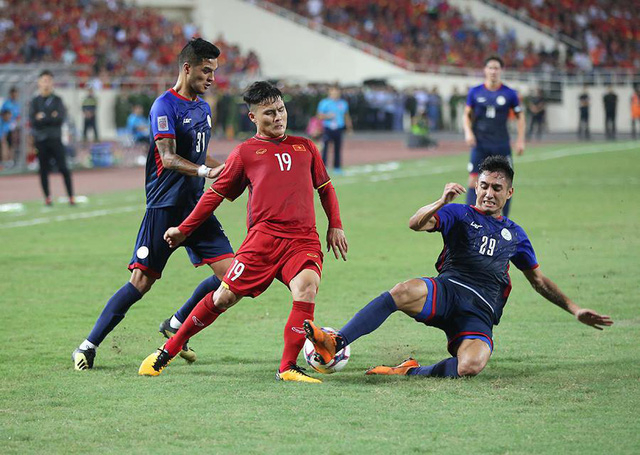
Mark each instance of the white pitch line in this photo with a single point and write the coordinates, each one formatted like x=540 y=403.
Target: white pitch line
x=544 y=156
x=74 y=216
x=378 y=177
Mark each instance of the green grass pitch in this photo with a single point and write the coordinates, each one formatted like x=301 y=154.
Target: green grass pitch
x=552 y=386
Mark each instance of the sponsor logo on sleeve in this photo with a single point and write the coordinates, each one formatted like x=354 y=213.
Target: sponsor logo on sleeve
x=163 y=123
x=299 y=148
x=209 y=120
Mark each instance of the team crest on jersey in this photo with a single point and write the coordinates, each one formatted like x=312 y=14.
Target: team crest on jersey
x=506 y=234
x=163 y=123
x=299 y=148
x=501 y=100
x=261 y=151
x=209 y=120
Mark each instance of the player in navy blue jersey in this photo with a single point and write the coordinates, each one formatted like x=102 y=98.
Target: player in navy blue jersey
x=466 y=299
x=485 y=122
x=177 y=164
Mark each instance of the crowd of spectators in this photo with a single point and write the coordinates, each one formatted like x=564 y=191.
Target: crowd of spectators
x=429 y=33
x=607 y=29
x=107 y=39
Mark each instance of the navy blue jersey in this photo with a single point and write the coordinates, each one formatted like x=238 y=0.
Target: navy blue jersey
x=476 y=254
x=189 y=123
x=491 y=112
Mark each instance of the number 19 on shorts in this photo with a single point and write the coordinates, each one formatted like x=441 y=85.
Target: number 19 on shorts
x=236 y=270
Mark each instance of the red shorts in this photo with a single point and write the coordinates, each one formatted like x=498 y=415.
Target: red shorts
x=263 y=257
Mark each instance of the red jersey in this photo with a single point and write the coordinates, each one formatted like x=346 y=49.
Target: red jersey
x=281 y=175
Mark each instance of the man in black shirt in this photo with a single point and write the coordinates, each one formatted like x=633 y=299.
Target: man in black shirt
x=89 y=109
x=537 y=107
x=583 y=125
x=47 y=114
x=610 y=100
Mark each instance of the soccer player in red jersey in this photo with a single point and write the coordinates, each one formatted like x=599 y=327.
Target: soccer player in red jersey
x=281 y=172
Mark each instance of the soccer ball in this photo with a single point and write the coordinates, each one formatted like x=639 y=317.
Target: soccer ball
x=338 y=363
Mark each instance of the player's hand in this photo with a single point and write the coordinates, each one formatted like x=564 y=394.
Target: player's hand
x=452 y=191
x=174 y=237
x=519 y=147
x=40 y=115
x=595 y=320
x=470 y=139
x=215 y=172
x=54 y=114
x=337 y=241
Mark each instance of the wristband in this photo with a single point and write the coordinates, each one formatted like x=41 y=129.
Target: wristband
x=203 y=171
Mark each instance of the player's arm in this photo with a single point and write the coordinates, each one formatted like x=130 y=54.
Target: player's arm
x=336 y=240
x=520 y=125
x=423 y=219
x=550 y=291
x=230 y=185
x=209 y=201
x=467 y=122
x=171 y=160
x=215 y=165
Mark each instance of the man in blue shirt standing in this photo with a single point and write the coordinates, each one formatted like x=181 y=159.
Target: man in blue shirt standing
x=467 y=297
x=485 y=122
x=138 y=125
x=334 y=113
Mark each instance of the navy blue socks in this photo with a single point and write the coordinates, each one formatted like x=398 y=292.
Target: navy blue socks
x=210 y=284
x=114 y=312
x=367 y=319
x=447 y=368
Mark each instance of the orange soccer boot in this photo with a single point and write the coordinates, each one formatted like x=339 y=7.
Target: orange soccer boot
x=324 y=342
x=401 y=369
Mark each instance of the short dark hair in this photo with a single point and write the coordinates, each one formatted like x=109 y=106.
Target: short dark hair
x=497 y=163
x=492 y=58
x=197 y=50
x=45 y=73
x=260 y=92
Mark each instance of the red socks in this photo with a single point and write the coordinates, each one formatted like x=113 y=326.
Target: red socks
x=294 y=333
x=200 y=317
x=206 y=312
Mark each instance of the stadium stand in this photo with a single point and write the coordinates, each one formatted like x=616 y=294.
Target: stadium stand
x=104 y=36
x=431 y=34
x=606 y=29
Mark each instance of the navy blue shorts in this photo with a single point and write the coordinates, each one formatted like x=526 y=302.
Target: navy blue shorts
x=480 y=152
x=207 y=244
x=454 y=310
